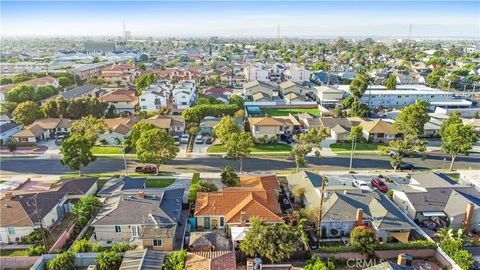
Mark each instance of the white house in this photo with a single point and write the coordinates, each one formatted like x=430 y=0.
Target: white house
x=256 y=73
x=184 y=94
x=297 y=74
x=155 y=96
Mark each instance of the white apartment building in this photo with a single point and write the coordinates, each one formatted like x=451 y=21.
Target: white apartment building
x=297 y=74
x=378 y=96
x=23 y=67
x=256 y=73
x=155 y=96
x=184 y=94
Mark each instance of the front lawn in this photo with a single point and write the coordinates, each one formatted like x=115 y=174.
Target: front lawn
x=259 y=148
x=158 y=183
x=293 y=111
x=347 y=147
x=98 y=150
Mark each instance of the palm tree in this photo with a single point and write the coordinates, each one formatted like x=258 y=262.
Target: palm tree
x=108 y=260
x=445 y=233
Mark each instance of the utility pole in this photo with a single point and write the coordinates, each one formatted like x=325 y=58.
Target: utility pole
x=44 y=239
x=351 y=154
x=322 y=192
x=124 y=157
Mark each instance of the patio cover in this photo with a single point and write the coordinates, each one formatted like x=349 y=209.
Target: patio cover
x=433 y=214
x=238 y=233
x=400 y=236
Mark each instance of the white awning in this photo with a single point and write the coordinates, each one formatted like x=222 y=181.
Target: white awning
x=433 y=214
x=238 y=233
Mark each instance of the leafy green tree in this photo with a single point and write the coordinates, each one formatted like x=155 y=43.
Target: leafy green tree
x=122 y=247
x=321 y=65
x=144 y=81
x=227 y=126
x=299 y=152
x=433 y=78
x=46 y=91
x=412 y=119
x=348 y=102
x=85 y=209
x=464 y=259
x=11 y=145
x=359 y=109
x=315 y=263
x=458 y=139
x=175 y=260
x=5 y=80
x=65 y=81
x=63 y=261
x=275 y=242
x=107 y=260
x=36 y=250
x=89 y=127
x=156 y=146
x=453 y=119
x=22 y=93
x=97 y=81
x=238 y=146
x=20 y=78
x=138 y=129
x=229 y=177
x=454 y=249
x=111 y=113
x=7 y=107
x=84 y=246
x=204 y=186
x=76 y=151
x=26 y=113
x=391 y=82
x=237 y=100
x=364 y=239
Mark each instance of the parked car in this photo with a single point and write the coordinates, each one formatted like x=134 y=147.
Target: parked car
x=146 y=169
x=199 y=138
x=226 y=156
x=363 y=185
x=379 y=184
x=209 y=140
x=59 y=140
x=405 y=166
x=184 y=138
x=392 y=153
x=177 y=140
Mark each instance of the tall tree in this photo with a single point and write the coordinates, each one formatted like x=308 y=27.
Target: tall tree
x=299 y=152
x=144 y=81
x=138 y=129
x=107 y=260
x=238 y=146
x=22 y=93
x=26 y=113
x=227 y=126
x=355 y=136
x=391 y=82
x=458 y=139
x=412 y=119
x=89 y=127
x=76 y=151
x=156 y=146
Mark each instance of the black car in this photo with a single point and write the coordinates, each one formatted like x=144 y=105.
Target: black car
x=209 y=140
x=405 y=166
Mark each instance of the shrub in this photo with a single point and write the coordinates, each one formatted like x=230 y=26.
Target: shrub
x=336 y=249
x=107 y=260
x=229 y=177
x=390 y=194
x=122 y=247
x=363 y=238
x=192 y=192
x=175 y=260
x=64 y=261
x=453 y=248
x=34 y=236
x=419 y=244
x=36 y=250
x=84 y=245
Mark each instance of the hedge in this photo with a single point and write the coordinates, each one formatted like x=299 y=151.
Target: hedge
x=419 y=244
x=192 y=192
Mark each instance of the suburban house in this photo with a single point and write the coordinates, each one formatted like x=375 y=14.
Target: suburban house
x=155 y=96
x=7 y=130
x=86 y=71
x=379 y=131
x=257 y=196
x=211 y=260
x=256 y=72
x=123 y=100
x=19 y=216
x=42 y=130
x=257 y=91
x=120 y=75
x=338 y=128
x=297 y=74
x=36 y=83
x=149 y=219
x=434 y=201
x=289 y=87
x=328 y=96
x=118 y=129
x=184 y=94
x=348 y=208
x=84 y=91
x=122 y=184
x=177 y=123
x=220 y=93
x=266 y=127
x=173 y=73
x=209 y=123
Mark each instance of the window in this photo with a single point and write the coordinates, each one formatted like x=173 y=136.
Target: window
x=135 y=231
x=157 y=242
x=257 y=129
x=118 y=229
x=222 y=221
x=142 y=99
x=11 y=230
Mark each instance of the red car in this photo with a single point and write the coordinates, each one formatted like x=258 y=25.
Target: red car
x=147 y=169
x=379 y=184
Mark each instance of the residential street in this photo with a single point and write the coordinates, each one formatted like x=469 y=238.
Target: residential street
x=216 y=163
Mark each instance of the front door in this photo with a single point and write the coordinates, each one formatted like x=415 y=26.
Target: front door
x=206 y=222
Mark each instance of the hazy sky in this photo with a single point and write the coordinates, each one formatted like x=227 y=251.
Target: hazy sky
x=229 y=18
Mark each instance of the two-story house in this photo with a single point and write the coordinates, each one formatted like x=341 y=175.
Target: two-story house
x=257 y=91
x=123 y=100
x=184 y=94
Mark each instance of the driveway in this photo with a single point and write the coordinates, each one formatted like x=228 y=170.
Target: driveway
x=53 y=150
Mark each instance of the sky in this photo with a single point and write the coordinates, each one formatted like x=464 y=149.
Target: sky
x=241 y=19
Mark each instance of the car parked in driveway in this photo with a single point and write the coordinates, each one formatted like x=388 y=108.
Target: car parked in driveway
x=209 y=140
x=379 y=184
x=363 y=185
x=184 y=138
x=199 y=139
x=177 y=140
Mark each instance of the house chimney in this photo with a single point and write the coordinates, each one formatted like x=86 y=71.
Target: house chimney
x=141 y=195
x=242 y=220
x=8 y=195
x=467 y=223
x=402 y=259
x=359 y=218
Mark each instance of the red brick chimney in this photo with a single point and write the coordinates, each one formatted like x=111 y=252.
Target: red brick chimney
x=402 y=259
x=141 y=195
x=359 y=217
x=467 y=222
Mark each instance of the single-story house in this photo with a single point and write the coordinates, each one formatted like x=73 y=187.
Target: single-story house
x=379 y=131
x=211 y=260
x=19 y=218
x=7 y=130
x=147 y=218
x=257 y=196
x=208 y=124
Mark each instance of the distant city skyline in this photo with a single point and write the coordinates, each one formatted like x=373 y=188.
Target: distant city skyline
x=241 y=19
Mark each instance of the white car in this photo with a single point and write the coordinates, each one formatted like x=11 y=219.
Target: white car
x=199 y=139
x=363 y=185
x=184 y=138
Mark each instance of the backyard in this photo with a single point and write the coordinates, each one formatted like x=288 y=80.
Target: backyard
x=286 y=111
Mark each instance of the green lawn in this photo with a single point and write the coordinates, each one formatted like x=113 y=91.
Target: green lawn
x=158 y=183
x=12 y=252
x=107 y=150
x=257 y=148
x=347 y=147
x=286 y=111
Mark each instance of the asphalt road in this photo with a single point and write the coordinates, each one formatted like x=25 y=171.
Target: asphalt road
x=216 y=163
